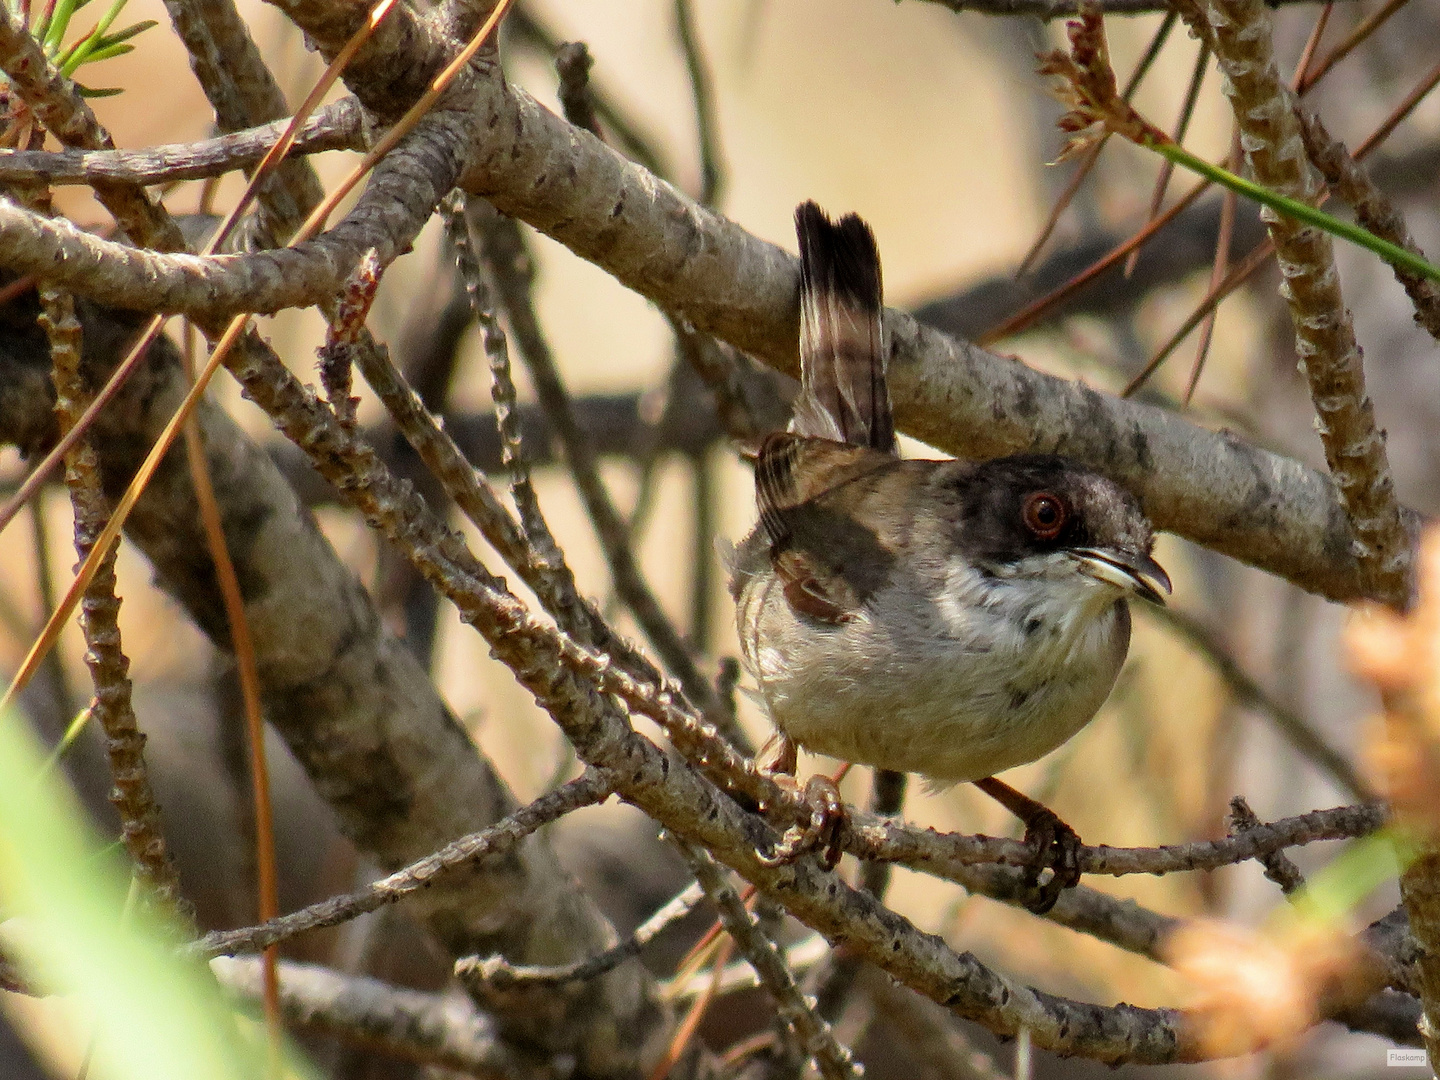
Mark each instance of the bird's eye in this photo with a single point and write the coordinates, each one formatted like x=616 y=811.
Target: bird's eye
x=1044 y=515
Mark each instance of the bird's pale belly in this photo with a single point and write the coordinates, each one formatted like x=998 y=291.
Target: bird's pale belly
x=1003 y=689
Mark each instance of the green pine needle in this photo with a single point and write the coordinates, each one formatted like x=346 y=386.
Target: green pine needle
x=1391 y=253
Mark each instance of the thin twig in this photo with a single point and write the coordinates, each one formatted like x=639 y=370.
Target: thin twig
x=622 y=129
x=1278 y=867
x=500 y=974
x=712 y=170
x=572 y=64
x=1218 y=269
x=132 y=795
x=1182 y=125
x=1027 y=315
x=1312 y=43
x=833 y=1060
x=335 y=127
x=546 y=551
x=1350 y=182
x=45 y=581
x=586 y=790
x=502 y=248
x=871 y=837
x=1366 y=27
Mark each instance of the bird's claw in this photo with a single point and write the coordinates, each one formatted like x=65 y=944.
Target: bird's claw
x=1057 y=849
x=820 y=833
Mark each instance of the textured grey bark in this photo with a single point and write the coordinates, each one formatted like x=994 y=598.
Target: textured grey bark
x=334 y=127
x=1239 y=32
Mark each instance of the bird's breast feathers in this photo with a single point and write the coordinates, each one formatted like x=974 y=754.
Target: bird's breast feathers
x=989 y=673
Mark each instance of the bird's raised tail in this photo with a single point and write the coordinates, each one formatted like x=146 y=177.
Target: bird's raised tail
x=843 y=392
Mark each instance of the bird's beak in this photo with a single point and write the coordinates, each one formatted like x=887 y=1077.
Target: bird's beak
x=1128 y=570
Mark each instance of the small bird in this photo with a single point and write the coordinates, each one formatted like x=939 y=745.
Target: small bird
x=947 y=618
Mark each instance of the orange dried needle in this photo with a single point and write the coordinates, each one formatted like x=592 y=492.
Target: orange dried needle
x=267 y=884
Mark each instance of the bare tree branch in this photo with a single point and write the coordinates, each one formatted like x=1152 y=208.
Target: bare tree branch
x=502 y=248
x=111 y=707
x=334 y=127
x=60 y=108
x=883 y=838
x=499 y=972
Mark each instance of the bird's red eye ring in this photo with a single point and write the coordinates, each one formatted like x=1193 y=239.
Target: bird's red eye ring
x=1044 y=515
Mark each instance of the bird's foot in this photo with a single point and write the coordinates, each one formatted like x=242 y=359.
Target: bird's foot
x=1057 y=845
x=1057 y=848
x=821 y=832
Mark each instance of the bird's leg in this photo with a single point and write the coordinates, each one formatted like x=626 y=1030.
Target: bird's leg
x=779 y=758
x=1057 y=845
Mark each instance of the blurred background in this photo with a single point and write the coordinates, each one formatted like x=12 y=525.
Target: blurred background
x=934 y=127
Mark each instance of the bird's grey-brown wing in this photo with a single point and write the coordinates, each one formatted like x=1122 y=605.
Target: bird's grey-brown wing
x=815 y=549
x=844 y=395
